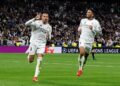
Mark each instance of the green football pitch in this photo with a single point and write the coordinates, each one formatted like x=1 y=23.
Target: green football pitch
x=60 y=70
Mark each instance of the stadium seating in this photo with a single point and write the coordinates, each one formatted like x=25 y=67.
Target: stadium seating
x=64 y=18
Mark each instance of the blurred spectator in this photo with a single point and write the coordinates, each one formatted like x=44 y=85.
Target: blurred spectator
x=109 y=43
x=64 y=18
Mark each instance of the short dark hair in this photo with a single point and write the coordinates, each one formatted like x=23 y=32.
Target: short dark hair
x=45 y=12
x=93 y=11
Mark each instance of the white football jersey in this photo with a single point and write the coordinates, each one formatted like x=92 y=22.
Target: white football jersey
x=40 y=31
x=87 y=35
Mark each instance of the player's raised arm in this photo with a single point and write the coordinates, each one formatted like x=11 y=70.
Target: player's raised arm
x=30 y=22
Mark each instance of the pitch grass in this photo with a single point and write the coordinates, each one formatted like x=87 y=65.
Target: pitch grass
x=60 y=70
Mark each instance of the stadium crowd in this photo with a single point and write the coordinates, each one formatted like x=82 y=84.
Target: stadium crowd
x=65 y=17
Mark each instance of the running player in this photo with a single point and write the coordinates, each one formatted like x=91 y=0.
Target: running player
x=41 y=32
x=88 y=28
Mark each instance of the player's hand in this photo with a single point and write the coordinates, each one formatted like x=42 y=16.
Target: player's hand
x=38 y=16
x=90 y=26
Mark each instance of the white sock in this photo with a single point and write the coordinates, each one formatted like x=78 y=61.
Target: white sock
x=37 y=70
x=81 y=62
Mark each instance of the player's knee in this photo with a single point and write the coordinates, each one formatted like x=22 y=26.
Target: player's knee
x=82 y=51
x=31 y=58
x=40 y=55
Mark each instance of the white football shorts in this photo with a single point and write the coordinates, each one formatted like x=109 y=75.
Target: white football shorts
x=35 y=49
x=87 y=46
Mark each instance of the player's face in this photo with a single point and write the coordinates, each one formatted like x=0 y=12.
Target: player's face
x=45 y=17
x=89 y=14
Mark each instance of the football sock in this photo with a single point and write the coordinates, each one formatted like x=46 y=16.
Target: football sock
x=81 y=62
x=93 y=56
x=37 y=70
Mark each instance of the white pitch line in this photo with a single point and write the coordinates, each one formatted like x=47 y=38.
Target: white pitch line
x=107 y=63
x=110 y=66
x=101 y=66
x=97 y=62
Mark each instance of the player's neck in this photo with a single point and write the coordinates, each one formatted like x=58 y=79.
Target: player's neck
x=44 y=22
x=91 y=18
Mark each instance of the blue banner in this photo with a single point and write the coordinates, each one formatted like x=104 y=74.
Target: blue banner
x=96 y=50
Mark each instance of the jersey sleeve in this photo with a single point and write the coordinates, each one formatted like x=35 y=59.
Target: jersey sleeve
x=30 y=22
x=49 y=33
x=97 y=28
x=80 y=26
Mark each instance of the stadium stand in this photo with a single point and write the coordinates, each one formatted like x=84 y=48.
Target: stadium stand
x=65 y=17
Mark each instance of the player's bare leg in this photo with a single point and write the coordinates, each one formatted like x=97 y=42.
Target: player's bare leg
x=81 y=60
x=31 y=58
x=37 y=70
x=86 y=57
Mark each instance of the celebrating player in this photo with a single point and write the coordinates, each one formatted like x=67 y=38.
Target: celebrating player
x=88 y=28
x=41 y=32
